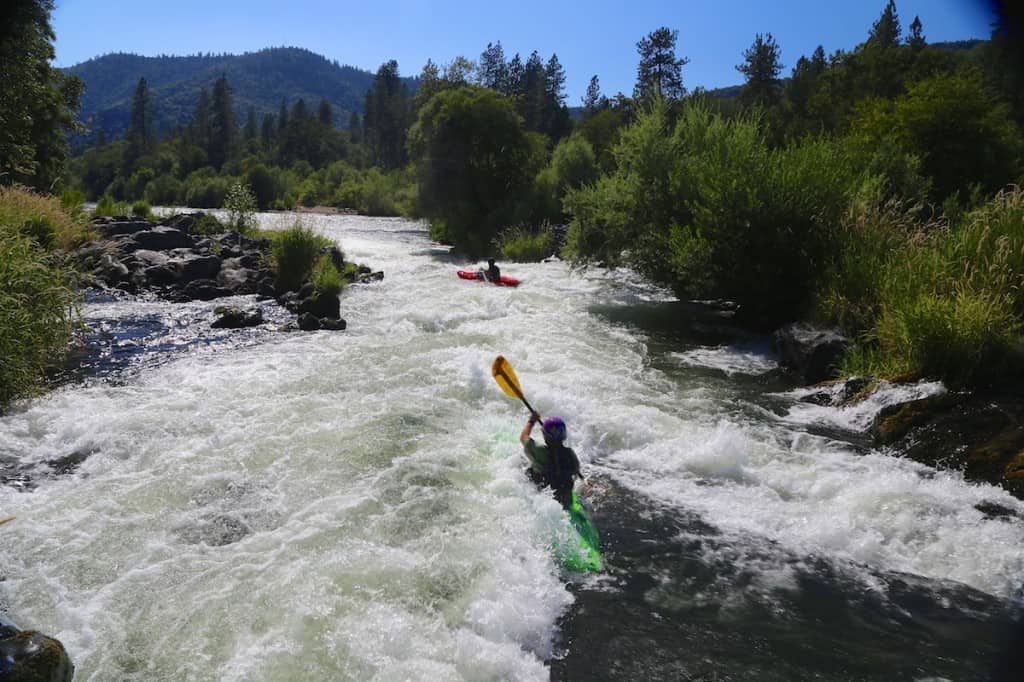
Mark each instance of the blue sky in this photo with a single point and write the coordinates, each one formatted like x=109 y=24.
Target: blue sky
x=597 y=37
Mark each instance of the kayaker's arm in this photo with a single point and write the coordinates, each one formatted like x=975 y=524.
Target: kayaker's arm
x=525 y=435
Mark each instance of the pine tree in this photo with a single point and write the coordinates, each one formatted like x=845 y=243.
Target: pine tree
x=386 y=117
x=282 y=116
x=761 y=67
x=324 y=113
x=268 y=131
x=659 y=72
x=515 y=77
x=885 y=33
x=140 y=136
x=223 y=126
x=354 y=128
x=492 y=72
x=251 y=130
x=593 y=100
x=200 y=126
x=916 y=38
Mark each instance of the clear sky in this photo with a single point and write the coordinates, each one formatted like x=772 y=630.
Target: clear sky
x=590 y=38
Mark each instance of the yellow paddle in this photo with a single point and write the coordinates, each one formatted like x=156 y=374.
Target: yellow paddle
x=6 y=519
x=503 y=373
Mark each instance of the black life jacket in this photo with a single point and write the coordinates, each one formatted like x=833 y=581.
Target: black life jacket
x=561 y=468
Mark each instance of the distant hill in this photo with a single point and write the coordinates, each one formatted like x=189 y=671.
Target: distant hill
x=261 y=79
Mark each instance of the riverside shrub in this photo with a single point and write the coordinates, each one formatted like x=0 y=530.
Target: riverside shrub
x=950 y=300
x=522 y=245
x=295 y=252
x=708 y=208
x=36 y=298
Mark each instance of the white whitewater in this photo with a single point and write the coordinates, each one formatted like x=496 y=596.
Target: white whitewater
x=350 y=506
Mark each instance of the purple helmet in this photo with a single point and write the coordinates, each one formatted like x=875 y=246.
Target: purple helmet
x=554 y=428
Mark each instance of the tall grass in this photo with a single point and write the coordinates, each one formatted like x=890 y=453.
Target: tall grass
x=295 y=252
x=43 y=218
x=36 y=295
x=947 y=300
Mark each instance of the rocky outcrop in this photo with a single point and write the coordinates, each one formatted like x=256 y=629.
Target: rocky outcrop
x=981 y=434
x=236 y=318
x=31 y=656
x=167 y=259
x=810 y=353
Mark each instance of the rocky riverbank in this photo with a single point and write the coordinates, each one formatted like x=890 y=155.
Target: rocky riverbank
x=175 y=261
x=979 y=432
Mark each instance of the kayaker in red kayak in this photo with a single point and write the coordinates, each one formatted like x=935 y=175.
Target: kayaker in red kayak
x=493 y=272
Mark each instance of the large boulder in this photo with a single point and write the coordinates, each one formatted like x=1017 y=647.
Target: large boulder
x=193 y=267
x=981 y=434
x=163 y=238
x=812 y=354
x=33 y=657
x=121 y=225
x=322 y=305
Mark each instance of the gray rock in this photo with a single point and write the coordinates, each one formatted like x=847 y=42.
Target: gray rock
x=333 y=325
x=322 y=305
x=308 y=322
x=236 y=318
x=194 y=267
x=813 y=354
x=162 y=238
x=121 y=226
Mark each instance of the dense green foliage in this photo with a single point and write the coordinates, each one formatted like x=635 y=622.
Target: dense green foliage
x=474 y=162
x=36 y=296
x=37 y=102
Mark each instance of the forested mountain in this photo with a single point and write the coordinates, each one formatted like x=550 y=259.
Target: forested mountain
x=260 y=79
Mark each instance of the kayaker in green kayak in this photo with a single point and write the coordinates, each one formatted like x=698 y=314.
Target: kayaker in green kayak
x=552 y=464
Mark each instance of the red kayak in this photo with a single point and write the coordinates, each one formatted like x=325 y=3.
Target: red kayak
x=503 y=281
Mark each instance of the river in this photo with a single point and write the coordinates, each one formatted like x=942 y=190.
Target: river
x=255 y=505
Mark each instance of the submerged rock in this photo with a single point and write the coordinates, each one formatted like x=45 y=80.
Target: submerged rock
x=236 y=318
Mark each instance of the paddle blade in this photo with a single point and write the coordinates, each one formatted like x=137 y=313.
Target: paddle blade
x=502 y=372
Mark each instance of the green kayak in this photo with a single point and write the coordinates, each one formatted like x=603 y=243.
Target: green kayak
x=580 y=551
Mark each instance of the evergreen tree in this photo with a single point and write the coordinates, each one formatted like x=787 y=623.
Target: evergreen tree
x=916 y=38
x=268 y=131
x=354 y=128
x=251 y=129
x=659 y=71
x=324 y=113
x=141 y=136
x=282 y=116
x=492 y=71
x=386 y=116
x=223 y=126
x=593 y=100
x=200 y=126
x=885 y=33
x=458 y=72
x=531 y=104
x=761 y=67
x=37 y=101
x=514 y=88
x=557 y=122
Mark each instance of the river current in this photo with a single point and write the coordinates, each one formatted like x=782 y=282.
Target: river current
x=256 y=505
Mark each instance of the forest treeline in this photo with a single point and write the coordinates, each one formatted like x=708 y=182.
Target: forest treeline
x=875 y=188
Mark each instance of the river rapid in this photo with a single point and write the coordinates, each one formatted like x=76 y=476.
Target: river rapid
x=254 y=505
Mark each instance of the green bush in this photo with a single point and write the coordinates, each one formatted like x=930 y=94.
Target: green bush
x=205 y=192
x=710 y=209
x=326 y=278
x=142 y=209
x=36 y=297
x=523 y=245
x=164 y=190
x=207 y=224
x=295 y=252
x=107 y=207
x=240 y=204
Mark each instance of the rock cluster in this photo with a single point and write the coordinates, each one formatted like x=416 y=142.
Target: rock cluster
x=168 y=259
